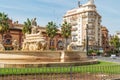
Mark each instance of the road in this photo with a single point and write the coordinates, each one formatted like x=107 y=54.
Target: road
x=109 y=59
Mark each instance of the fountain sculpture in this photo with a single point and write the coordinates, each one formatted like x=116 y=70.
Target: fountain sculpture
x=1 y=47
x=15 y=45
x=32 y=54
x=69 y=47
x=34 y=41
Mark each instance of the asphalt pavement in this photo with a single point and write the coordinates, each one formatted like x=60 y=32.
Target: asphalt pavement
x=108 y=59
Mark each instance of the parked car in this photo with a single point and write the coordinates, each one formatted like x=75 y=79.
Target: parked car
x=113 y=56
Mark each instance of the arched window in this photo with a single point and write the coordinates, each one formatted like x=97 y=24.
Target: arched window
x=7 y=39
x=60 y=45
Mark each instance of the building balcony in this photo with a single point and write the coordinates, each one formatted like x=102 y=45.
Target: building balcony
x=74 y=34
x=91 y=26
x=84 y=15
x=91 y=20
x=91 y=38
x=73 y=23
x=74 y=29
x=91 y=33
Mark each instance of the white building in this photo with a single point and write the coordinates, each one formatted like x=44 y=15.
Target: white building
x=79 y=18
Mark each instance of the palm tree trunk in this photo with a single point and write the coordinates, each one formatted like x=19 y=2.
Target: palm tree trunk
x=65 y=43
x=51 y=45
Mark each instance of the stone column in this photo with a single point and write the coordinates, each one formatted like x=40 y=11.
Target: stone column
x=62 y=57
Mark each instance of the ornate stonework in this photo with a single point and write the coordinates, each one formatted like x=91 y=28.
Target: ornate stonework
x=34 y=41
x=69 y=47
x=15 y=45
x=1 y=47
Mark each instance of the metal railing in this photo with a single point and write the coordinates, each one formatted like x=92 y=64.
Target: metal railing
x=111 y=72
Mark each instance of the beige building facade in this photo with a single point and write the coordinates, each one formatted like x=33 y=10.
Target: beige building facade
x=105 y=40
x=85 y=19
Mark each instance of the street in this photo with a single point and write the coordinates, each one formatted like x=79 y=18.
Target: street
x=109 y=59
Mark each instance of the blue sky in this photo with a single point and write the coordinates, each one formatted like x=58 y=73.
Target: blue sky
x=53 y=10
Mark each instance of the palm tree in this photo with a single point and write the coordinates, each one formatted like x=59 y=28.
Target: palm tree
x=115 y=43
x=4 y=24
x=51 y=30
x=27 y=27
x=66 y=31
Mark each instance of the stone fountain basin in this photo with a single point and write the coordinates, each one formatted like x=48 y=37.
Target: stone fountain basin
x=42 y=58
x=39 y=55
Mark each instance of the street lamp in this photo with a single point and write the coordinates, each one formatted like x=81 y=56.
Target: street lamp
x=87 y=39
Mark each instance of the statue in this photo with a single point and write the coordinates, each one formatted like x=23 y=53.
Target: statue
x=34 y=41
x=44 y=46
x=34 y=26
x=33 y=21
x=23 y=45
x=31 y=47
x=38 y=45
x=40 y=33
x=15 y=45
x=34 y=30
x=69 y=47
x=1 y=47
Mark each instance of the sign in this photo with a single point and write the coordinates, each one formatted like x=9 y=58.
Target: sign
x=101 y=50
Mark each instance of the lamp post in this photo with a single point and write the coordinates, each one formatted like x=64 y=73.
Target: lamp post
x=87 y=38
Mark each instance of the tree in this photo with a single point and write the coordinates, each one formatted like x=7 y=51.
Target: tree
x=115 y=43
x=51 y=30
x=4 y=24
x=27 y=27
x=66 y=31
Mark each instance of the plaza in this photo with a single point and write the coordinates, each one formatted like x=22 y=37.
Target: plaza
x=78 y=49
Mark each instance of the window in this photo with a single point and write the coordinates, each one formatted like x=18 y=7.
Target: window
x=8 y=41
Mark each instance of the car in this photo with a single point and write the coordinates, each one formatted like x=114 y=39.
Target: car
x=113 y=56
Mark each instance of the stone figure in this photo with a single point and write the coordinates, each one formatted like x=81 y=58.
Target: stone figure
x=15 y=45
x=31 y=47
x=41 y=45
x=40 y=33
x=33 y=21
x=38 y=45
x=1 y=47
x=34 y=41
x=34 y=30
x=27 y=46
x=34 y=26
x=69 y=47
x=44 y=46
x=23 y=45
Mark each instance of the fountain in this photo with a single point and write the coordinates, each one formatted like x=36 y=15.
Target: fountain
x=34 y=53
x=1 y=47
x=34 y=41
